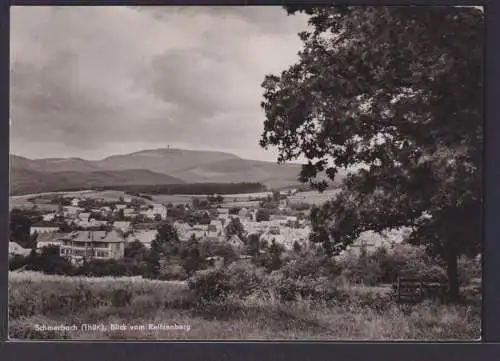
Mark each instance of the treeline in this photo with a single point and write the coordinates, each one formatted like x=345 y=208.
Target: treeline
x=190 y=188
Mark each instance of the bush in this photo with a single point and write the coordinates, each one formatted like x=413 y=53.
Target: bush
x=262 y=215
x=361 y=269
x=383 y=266
x=311 y=265
x=292 y=289
x=172 y=272
x=244 y=278
x=469 y=269
x=17 y=262
x=121 y=298
x=49 y=262
x=210 y=286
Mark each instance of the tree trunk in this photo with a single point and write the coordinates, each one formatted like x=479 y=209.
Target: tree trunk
x=452 y=273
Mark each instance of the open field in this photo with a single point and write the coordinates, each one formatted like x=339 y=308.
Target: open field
x=174 y=198
x=24 y=202
x=366 y=314
x=230 y=200
x=313 y=197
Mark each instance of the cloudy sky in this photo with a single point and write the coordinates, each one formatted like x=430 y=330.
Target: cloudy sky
x=94 y=81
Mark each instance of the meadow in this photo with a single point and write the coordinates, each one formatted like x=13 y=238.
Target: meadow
x=25 y=201
x=313 y=197
x=356 y=313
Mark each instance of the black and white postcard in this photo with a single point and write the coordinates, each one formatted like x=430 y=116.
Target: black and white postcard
x=246 y=173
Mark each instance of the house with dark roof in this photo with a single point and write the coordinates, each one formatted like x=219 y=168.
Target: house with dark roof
x=79 y=245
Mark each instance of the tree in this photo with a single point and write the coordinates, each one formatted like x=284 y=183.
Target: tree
x=20 y=228
x=275 y=251
x=253 y=245
x=235 y=227
x=49 y=261
x=167 y=233
x=65 y=228
x=262 y=215
x=297 y=248
x=193 y=241
x=205 y=219
x=195 y=202
x=153 y=266
x=193 y=261
x=135 y=250
x=395 y=92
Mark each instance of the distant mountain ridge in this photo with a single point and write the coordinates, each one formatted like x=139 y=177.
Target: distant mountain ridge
x=24 y=181
x=154 y=166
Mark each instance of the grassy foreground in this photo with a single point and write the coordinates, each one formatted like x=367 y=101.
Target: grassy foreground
x=36 y=299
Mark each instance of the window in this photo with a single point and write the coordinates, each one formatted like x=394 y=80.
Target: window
x=102 y=253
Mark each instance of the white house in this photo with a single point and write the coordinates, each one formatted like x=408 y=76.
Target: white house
x=243 y=212
x=123 y=226
x=43 y=228
x=48 y=217
x=127 y=199
x=71 y=210
x=199 y=232
x=157 y=209
x=90 y=223
x=75 y=202
x=217 y=224
x=80 y=245
x=84 y=216
x=120 y=206
x=129 y=212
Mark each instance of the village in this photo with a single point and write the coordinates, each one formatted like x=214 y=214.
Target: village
x=98 y=228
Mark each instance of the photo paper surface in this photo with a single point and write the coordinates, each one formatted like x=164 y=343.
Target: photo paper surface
x=246 y=173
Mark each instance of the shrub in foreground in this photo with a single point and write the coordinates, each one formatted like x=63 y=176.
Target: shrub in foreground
x=210 y=285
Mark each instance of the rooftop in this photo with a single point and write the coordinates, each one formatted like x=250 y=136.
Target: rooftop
x=94 y=236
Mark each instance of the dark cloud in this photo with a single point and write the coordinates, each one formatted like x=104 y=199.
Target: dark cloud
x=89 y=81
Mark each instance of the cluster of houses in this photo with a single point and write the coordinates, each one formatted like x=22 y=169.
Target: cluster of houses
x=106 y=237
x=95 y=232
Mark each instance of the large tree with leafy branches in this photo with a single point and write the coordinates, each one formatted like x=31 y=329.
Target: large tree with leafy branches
x=393 y=95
